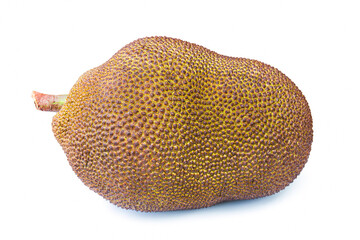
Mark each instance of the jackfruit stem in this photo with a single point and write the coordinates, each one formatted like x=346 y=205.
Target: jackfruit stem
x=47 y=102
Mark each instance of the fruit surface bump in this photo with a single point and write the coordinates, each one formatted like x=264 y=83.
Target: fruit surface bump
x=166 y=125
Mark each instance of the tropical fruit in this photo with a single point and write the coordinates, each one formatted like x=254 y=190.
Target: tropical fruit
x=166 y=124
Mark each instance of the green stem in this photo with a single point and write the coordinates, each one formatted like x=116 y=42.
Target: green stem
x=47 y=102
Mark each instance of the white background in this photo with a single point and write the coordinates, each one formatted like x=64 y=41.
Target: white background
x=47 y=45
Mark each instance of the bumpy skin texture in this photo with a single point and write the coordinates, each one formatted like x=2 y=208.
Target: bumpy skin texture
x=166 y=125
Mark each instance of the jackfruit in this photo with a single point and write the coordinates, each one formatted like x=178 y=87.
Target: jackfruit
x=166 y=125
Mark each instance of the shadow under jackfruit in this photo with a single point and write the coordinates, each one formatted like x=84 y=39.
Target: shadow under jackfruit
x=166 y=125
